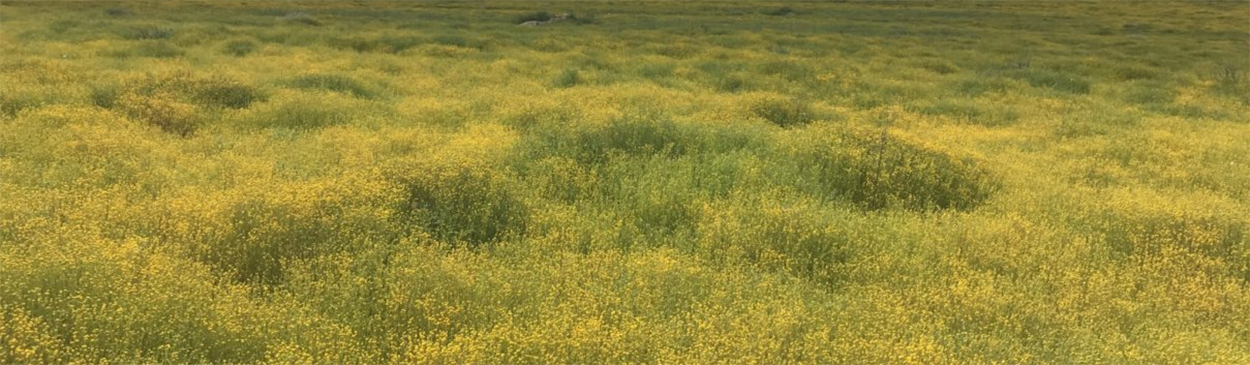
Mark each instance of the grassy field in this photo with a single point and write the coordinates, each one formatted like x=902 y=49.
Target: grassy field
x=664 y=182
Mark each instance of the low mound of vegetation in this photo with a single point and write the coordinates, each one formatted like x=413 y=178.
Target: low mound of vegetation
x=175 y=101
x=337 y=83
x=463 y=207
x=880 y=170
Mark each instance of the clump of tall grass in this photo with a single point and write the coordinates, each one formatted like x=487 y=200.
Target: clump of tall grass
x=1054 y=80
x=239 y=48
x=784 y=111
x=787 y=69
x=257 y=237
x=337 y=83
x=568 y=78
x=162 y=110
x=463 y=207
x=303 y=112
x=539 y=16
x=382 y=44
x=627 y=135
x=782 y=11
x=785 y=236
x=152 y=49
x=148 y=32
x=878 y=170
x=967 y=111
x=15 y=98
x=118 y=12
x=175 y=101
x=1232 y=80
x=300 y=17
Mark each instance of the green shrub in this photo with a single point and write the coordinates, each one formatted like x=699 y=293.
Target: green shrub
x=452 y=40
x=787 y=69
x=162 y=110
x=1055 y=80
x=464 y=207
x=383 y=44
x=148 y=32
x=301 y=18
x=239 y=48
x=15 y=99
x=954 y=109
x=629 y=135
x=1149 y=225
x=1232 y=81
x=653 y=70
x=225 y=93
x=336 y=83
x=942 y=67
x=989 y=114
x=786 y=236
x=583 y=19
x=212 y=92
x=784 y=112
x=568 y=78
x=540 y=16
x=173 y=101
x=730 y=83
x=301 y=113
x=782 y=11
x=879 y=171
x=153 y=49
x=104 y=95
x=118 y=12
x=980 y=86
x=1153 y=95
x=1129 y=73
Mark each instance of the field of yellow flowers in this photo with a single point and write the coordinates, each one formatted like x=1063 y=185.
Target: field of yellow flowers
x=645 y=182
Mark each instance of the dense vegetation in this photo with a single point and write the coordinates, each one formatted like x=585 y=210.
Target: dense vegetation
x=666 y=182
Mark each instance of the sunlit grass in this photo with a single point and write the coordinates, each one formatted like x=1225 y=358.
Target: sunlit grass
x=661 y=182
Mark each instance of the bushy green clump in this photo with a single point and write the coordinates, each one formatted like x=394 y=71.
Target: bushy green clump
x=1055 y=80
x=783 y=236
x=239 y=48
x=151 y=49
x=163 y=110
x=788 y=69
x=1141 y=224
x=784 y=112
x=148 y=32
x=987 y=114
x=118 y=12
x=880 y=171
x=464 y=207
x=256 y=238
x=452 y=40
x=336 y=83
x=16 y=98
x=583 y=19
x=212 y=91
x=175 y=101
x=782 y=11
x=301 y=18
x=540 y=16
x=303 y=112
x=629 y=135
x=1232 y=81
x=568 y=78
x=382 y=44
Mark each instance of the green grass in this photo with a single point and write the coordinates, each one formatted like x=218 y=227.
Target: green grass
x=660 y=182
x=337 y=83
